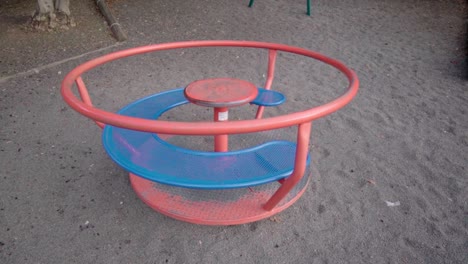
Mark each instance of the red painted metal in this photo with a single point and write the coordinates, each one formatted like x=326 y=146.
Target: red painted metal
x=273 y=202
x=221 y=142
x=269 y=80
x=215 y=211
x=221 y=92
x=302 y=150
x=206 y=128
x=85 y=96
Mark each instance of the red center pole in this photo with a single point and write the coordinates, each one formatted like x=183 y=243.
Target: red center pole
x=221 y=141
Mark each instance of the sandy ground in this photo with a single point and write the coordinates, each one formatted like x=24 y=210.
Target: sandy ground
x=403 y=139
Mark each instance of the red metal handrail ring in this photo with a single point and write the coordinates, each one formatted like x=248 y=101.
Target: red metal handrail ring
x=204 y=128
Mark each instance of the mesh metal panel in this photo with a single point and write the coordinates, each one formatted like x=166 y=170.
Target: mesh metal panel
x=215 y=207
x=255 y=158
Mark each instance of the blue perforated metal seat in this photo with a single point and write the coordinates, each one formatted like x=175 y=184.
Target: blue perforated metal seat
x=150 y=157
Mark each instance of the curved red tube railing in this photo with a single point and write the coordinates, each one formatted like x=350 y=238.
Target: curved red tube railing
x=85 y=107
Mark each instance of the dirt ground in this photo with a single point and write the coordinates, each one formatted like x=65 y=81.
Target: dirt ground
x=389 y=182
x=23 y=49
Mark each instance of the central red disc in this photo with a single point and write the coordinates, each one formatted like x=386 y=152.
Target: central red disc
x=221 y=92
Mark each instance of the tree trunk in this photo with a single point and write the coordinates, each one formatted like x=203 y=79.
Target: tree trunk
x=51 y=14
x=63 y=6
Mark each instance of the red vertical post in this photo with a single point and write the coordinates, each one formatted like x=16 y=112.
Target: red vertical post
x=300 y=163
x=85 y=96
x=221 y=141
x=269 y=81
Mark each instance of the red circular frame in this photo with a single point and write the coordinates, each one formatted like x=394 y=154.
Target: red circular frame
x=206 y=128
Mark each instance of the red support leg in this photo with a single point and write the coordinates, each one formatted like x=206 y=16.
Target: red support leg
x=270 y=76
x=85 y=96
x=303 y=138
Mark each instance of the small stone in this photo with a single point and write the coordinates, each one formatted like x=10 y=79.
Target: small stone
x=52 y=24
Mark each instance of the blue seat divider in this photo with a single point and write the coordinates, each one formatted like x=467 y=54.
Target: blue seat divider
x=268 y=98
x=150 y=157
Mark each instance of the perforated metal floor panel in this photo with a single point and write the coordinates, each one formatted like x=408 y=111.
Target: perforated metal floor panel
x=214 y=207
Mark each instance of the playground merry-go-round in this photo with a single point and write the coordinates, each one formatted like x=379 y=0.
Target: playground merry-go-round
x=221 y=186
